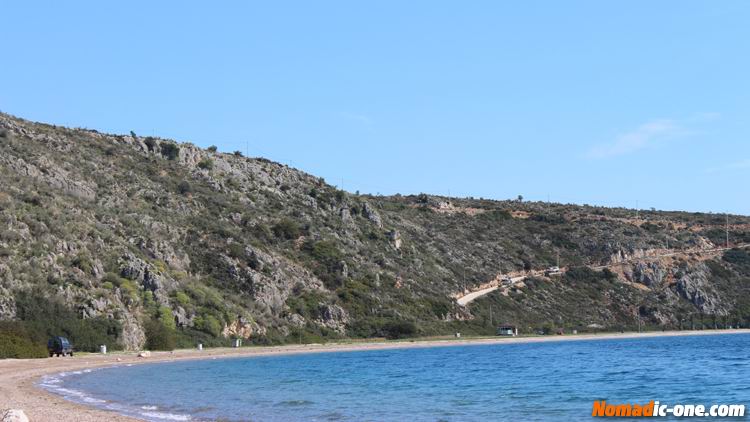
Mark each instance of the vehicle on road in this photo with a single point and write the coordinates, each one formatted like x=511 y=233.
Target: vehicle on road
x=552 y=271
x=506 y=281
x=59 y=346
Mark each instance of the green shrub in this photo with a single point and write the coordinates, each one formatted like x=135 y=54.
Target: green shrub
x=208 y=324
x=238 y=153
x=398 y=329
x=739 y=258
x=206 y=164
x=182 y=298
x=166 y=317
x=237 y=251
x=169 y=150
x=149 y=141
x=328 y=260
x=83 y=263
x=184 y=187
x=287 y=229
x=13 y=346
x=496 y=215
x=45 y=318
x=129 y=290
x=158 y=336
x=212 y=148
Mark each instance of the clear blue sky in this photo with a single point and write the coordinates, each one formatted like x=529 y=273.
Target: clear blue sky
x=594 y=102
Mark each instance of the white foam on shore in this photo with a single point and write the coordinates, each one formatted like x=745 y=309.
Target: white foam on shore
x=55 y=384
x=166 y=416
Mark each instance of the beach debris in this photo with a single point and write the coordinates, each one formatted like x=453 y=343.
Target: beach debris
x=13 y=415
x=145 y=354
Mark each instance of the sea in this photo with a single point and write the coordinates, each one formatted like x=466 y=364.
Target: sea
x=544 y=381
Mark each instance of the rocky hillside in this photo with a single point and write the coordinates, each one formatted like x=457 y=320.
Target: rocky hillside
x=121 y=232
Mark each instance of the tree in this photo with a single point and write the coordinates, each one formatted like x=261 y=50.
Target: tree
x=520 y=198
x=238 y=153
x=212 y=148
x=170 y=150
x=158 y=336
x=150 y=143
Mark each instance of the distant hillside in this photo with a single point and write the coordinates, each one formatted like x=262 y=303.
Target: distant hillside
x=108 y=238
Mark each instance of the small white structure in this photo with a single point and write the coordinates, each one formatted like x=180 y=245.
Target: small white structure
x=237 y=342
x=458 y=335
x=200 y=346
x=103 y=349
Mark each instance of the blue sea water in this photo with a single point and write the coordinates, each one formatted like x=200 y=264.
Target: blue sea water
x=553 y=381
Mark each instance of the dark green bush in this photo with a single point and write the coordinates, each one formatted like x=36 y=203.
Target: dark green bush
x=169 y=150
x=149 y=141
x=328 y=260
x=496 y=215
x=739 y=258
x=398 y=329
x=184 y=187
x=45 y=318
x=158 y=336
x=13 y=346
x=206 y=164
x=287 y=229
x=212 y=148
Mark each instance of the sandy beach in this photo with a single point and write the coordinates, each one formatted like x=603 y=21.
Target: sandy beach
x=18 y=377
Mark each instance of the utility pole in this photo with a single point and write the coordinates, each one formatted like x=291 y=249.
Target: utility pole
x=727 y=231
x=247 y=148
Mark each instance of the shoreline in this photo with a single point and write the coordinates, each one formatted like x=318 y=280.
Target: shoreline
x=19 y=378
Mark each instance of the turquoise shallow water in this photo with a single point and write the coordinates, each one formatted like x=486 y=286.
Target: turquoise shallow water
x=537 y=381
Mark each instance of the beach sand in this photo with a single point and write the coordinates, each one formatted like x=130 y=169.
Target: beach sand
x=18 y=377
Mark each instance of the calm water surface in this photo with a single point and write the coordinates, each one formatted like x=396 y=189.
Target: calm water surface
x=538 y=381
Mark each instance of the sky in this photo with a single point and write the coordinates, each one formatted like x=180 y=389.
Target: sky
x=631 y=103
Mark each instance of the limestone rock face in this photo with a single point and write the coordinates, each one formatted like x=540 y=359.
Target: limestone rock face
x=694 y=285
x=133 y=337
x=395 y=238
x=371 y=214
x=649 y=273
x=334 y=317
x=243 y=328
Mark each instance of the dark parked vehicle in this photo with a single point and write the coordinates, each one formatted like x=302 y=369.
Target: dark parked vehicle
x=59 y=346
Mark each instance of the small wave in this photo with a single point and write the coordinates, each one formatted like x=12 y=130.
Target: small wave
x=166 y=416
x=150 y=407
x=295 y=403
